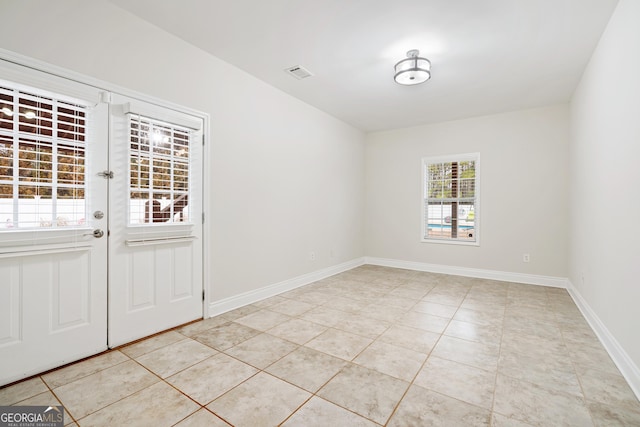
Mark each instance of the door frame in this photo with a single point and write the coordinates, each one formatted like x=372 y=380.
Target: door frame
x=107 y=87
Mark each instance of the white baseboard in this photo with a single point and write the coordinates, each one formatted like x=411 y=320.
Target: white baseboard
x=530 y=279
x=237 y=301
x=625 y=364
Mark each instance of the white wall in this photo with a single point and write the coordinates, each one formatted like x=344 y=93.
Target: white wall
x=286 y=178
x=523 y=181
x=605 y=181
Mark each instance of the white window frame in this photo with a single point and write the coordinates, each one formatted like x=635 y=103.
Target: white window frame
x=426 y=161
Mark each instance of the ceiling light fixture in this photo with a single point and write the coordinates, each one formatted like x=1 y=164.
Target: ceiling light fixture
x=413 y=70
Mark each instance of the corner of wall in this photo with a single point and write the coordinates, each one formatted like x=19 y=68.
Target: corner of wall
x=622 y=360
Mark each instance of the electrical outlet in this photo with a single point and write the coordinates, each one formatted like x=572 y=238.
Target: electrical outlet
x=312 y=256
x=525 y=257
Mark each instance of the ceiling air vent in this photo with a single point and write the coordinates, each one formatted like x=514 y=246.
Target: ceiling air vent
x=299 y=72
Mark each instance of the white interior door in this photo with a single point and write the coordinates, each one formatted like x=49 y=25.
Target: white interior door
x=155 y=199
x=53 y=281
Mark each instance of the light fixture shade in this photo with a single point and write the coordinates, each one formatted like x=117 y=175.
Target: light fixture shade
x=413 y=70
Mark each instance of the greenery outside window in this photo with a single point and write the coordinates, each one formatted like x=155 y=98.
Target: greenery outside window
x=450 y=208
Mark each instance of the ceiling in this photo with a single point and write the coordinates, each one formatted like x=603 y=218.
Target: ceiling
x=488 y=56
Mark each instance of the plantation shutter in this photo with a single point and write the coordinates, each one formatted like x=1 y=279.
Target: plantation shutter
x=42 y=159
x=159 y=167
x=450 y=202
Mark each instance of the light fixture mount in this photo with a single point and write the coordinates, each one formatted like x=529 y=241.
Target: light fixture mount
x=413 y=70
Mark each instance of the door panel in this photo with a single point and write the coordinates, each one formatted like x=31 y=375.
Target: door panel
x=155 y=243
x=53 y=272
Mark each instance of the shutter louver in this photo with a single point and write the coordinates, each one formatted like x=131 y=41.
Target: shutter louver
x=42 y=161
x=450 y=199
x=158 y=172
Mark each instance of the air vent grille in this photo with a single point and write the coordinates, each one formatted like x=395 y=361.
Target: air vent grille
x=299 y=72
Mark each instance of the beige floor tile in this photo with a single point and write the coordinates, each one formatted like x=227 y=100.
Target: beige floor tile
x=307 y=368
x=614 y=416
x=463 y=382
x=493 y=307
x=579 y=335
x=262 y=350
x=84 y=368
x=226 y=336
x=480 y=355
x=422 y=407
x=298 y=331
x=526 y=352
x=318 y=412
x=498 y=420
x=555 y=371
x=442 y=298
x=606 y=387
x=383 y=312
x=94 y=392
x=592 y=357
x=524 y=343
x=362 y=325
x=324 y=316
x=314 y=297
x=263 y=400
x=196 y=328
x=241 y=312
x=424 y=321
x=409 y=292
x=292 y=307
x=263 y=319
x=344 y=304
x=268 y=302
x=340 y=344
x=533 y=404
x=202 y=418
x=479 y=317
x=21 y=391
x=435 y=309
x=474 y=332
x=392 y=360
x=150 y=344
x=212 y=377
x=365 y=392
x=175 y=357
x=156 y=406
x=400 y=302
x=527 y=314
x=411 y=338
x=45 y=399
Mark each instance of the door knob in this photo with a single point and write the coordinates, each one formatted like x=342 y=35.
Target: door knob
x=97 y=233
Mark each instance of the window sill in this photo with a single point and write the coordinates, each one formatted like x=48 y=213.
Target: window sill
x=450 y=242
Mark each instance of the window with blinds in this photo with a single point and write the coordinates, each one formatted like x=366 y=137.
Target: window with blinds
x=42 y=161
x=450 y=198
x=158 y=172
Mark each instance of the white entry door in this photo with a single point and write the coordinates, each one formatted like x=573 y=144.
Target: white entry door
x=53 y=204
x=155 y=221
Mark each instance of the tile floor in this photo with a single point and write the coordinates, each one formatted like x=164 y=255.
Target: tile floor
x=371 y=346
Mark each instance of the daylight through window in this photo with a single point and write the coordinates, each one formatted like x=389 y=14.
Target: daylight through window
x=42 y=161
x=158 y=172
x=450 y=205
